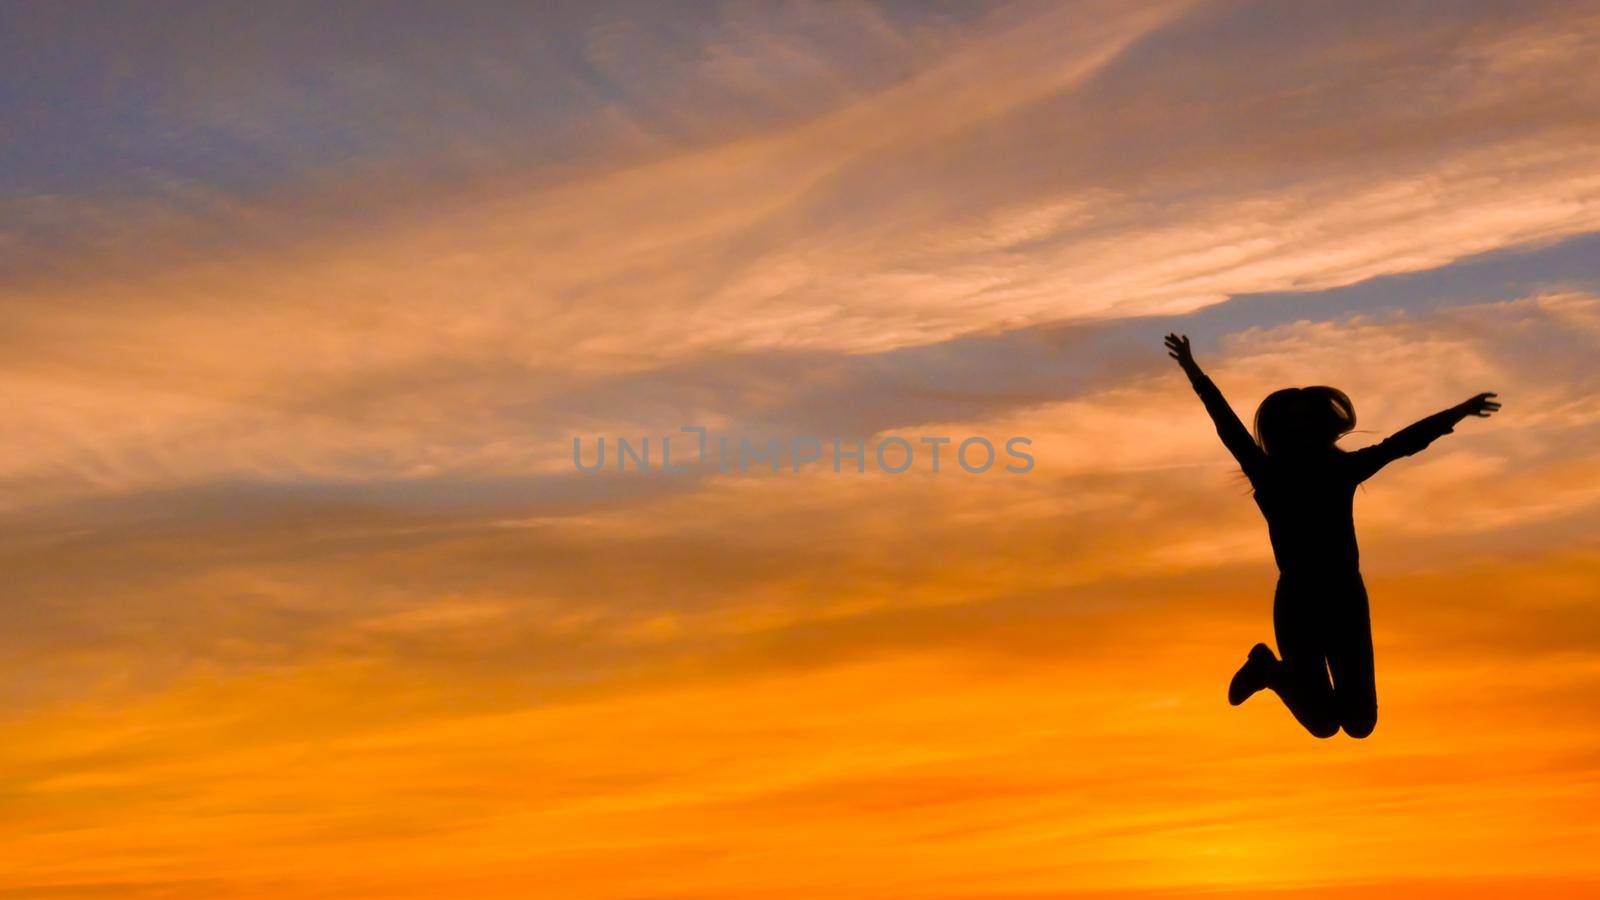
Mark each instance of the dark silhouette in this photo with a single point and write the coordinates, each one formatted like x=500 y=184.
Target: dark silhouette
x=1305 y=485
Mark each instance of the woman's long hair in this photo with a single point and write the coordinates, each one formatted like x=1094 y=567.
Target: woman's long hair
x=1297 y=421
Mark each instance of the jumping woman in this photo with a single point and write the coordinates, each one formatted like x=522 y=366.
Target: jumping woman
x=1305 y=485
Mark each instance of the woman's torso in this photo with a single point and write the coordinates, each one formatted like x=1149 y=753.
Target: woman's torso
x=1309 y=508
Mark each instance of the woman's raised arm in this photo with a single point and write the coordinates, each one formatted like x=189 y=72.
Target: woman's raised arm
x=1232 y=431
x=1414 y=437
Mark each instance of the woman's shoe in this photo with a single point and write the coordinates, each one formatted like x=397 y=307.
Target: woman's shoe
x=1252 y=676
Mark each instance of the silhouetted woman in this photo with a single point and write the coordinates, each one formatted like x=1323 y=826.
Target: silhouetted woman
x=1305 y=486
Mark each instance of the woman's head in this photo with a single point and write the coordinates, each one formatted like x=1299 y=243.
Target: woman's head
x=1297 y=420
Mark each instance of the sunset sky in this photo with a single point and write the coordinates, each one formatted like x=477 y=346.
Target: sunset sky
x=304 y=304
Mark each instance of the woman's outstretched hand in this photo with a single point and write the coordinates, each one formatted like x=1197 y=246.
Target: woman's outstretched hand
x=1178 y=349
x=1481 y=406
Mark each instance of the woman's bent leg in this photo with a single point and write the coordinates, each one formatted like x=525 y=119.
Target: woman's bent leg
x=1301 y=680
x=1350 y=660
